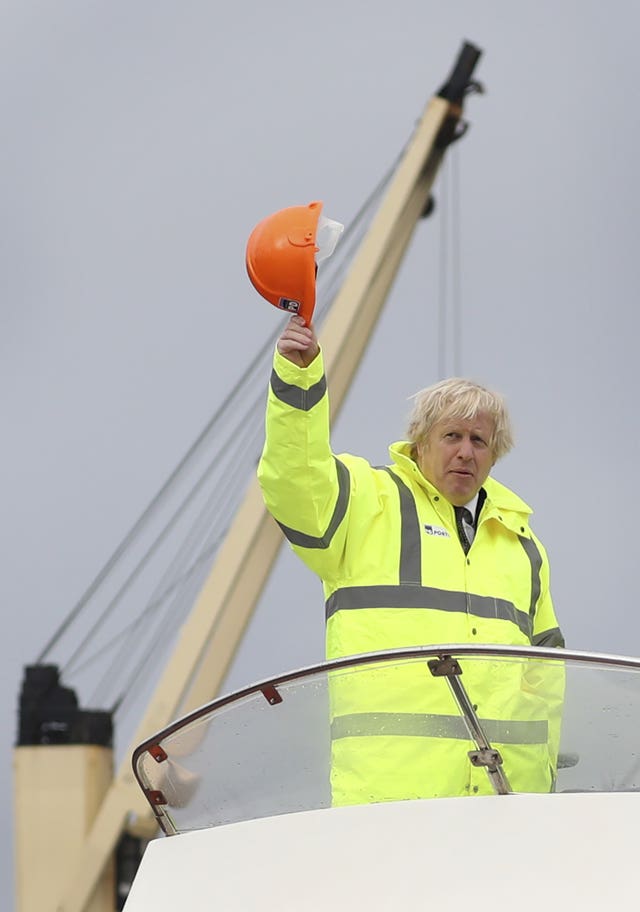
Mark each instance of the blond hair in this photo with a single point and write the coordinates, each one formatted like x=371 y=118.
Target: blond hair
x=459 y=399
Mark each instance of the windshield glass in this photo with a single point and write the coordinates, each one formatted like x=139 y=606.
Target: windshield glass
x=421 y=723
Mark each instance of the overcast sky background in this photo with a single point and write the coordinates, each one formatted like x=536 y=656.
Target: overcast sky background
x=142 y=142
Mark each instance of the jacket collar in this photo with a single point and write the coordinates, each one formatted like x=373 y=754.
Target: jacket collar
x=499 y=497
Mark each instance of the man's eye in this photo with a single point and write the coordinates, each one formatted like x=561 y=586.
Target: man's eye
x=479 y=441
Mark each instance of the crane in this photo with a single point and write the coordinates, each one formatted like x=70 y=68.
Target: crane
x=74 y=782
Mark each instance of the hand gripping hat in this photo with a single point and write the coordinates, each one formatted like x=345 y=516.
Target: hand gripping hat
x=283 y=251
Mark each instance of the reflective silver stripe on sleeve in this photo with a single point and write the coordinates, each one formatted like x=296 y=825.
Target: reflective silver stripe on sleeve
x=552 y=638
x=295 y=396
x=358 y=597
x=311 y=541
x=427 y=725
x=535 y=559
x=410 y=569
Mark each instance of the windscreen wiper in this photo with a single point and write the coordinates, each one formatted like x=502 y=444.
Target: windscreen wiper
x=485 y=755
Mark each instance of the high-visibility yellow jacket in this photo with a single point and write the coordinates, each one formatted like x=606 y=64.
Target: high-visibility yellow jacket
x=384 y=542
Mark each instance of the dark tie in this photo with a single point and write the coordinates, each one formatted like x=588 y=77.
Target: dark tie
x=463 y=516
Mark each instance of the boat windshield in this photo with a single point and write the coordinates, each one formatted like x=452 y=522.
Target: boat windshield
x=416 y=723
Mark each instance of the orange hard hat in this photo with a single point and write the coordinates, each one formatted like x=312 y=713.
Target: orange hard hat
x=281 y=258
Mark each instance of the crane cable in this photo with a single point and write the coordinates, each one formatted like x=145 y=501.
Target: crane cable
x=184 y=571
x=328 y=283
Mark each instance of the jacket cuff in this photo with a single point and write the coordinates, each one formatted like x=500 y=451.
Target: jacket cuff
x=303 y=377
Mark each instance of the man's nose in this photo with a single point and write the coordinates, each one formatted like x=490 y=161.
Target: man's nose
x=465 y=449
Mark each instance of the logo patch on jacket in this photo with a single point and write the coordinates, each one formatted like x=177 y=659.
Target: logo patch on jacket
x=436 y=530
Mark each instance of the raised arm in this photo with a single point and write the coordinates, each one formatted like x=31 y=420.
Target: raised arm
x=305 y=488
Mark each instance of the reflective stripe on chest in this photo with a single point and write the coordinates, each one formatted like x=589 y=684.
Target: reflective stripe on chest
x=410 y=593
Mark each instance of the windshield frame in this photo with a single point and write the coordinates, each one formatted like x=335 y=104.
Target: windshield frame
x=366 y=658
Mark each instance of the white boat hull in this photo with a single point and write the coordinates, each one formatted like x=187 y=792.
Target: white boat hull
x=529 y=852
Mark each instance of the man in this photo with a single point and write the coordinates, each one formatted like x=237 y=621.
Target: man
x=400 y=569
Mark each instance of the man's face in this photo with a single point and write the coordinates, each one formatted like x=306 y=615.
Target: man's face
x=456 y=457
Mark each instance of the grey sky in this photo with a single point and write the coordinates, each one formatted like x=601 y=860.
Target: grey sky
x=141 y=144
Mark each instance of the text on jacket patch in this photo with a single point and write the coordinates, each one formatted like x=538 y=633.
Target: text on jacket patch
x=436 y=530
